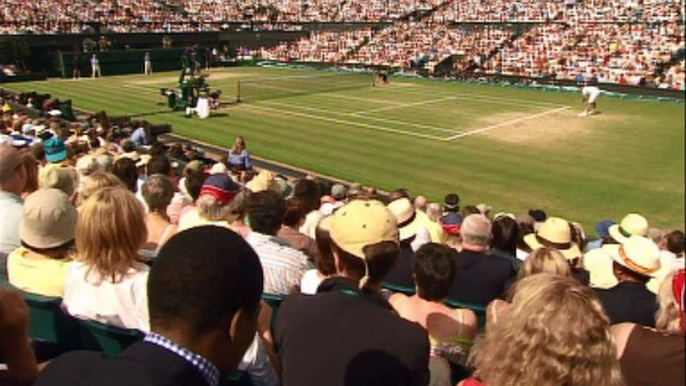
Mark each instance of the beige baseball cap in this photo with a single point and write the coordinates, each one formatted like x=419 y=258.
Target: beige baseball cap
x=361 y=223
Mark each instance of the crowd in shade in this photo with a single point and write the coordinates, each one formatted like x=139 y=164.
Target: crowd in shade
x=374 y=288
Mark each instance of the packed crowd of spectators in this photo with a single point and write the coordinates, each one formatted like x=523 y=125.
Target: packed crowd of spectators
x=326 y=47
x=66 y=16
x=612 y=53
x=563 y=45
x=376 y=289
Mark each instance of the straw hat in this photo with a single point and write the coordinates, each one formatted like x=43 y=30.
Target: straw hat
x=408 y=221
x=554 y=233
x=637 y=253
x=631 y=225
x=264 y=180
x=49 y=219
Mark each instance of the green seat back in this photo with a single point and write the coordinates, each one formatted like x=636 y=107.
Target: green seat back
x=111 y=340
x=50 y=323
x=274 y=301
x=409 y=291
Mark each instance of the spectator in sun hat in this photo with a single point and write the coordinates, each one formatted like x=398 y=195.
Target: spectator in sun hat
x=41 y=265
x=264 y=180
x=632 y=224
x=555 y=233
x=13 y=177
x=597 y=261
x=214 y=204
x=413 y=234
x=559 y=234
x=481 y=277
x=633 y=263
x=349 y=313
x=55 y=150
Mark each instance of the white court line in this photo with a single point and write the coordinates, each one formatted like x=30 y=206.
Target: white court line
x=425 y=90
x=354 y=98
x=488 y=128
x=318 y=110
x=340 y=121
x=400 y=106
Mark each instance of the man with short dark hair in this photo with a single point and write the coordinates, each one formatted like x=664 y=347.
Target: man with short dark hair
x=481 y=277
x=283 y=265
x=347 y=333
x=204 y=299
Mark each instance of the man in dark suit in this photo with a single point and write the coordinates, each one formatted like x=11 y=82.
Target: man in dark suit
x=480 y=277
x=630 y=301
x=204 y=298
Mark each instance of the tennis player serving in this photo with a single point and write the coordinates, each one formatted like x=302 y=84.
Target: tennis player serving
x=589 y=96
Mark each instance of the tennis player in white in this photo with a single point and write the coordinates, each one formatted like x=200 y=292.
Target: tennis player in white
x=589 y=95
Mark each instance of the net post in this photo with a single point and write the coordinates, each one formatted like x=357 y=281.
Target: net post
x=238 y=91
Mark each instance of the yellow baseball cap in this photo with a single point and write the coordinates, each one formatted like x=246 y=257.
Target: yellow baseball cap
x=361 y=223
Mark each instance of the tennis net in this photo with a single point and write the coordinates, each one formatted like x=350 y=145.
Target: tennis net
x=253 y=90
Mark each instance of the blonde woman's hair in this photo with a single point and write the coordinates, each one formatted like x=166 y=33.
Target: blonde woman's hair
x=545 y=260
x=97 y=181
x=555 y=333
x=667 y=317
x=109 y=233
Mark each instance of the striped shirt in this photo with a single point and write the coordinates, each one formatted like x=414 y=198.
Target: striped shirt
x=205 y=367
x=283 y=266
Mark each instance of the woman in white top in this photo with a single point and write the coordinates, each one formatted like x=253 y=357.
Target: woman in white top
x=108 y=282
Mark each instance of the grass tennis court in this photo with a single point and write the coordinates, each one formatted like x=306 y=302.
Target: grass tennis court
x=512 y=148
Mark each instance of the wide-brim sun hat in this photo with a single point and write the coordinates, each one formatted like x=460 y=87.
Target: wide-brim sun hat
x=554 y=233
x=638 y=254
x=408 y=221
x=633 y=224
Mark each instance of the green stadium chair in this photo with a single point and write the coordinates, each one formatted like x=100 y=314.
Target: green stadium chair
x=479 y=310
x=274 y=301
x=409 y=291
x=51 y=328
x=111 y=340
